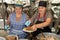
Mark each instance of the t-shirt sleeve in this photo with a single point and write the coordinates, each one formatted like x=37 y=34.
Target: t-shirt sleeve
x=49 y=14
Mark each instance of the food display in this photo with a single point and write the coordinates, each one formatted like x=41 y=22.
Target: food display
x=28 y=29
x=11 y=37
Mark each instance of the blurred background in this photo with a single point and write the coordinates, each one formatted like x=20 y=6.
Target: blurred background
x=30 y=7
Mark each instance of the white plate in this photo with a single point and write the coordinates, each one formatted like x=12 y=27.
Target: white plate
x=23 y=39
x=27 y=30
x=2 y=38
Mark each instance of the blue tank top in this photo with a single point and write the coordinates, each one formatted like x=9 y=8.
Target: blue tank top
x=16 y=28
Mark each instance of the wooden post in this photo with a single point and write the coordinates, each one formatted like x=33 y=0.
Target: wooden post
x=3 y=14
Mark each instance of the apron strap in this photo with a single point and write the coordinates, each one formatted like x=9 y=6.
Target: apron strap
x=43 y=17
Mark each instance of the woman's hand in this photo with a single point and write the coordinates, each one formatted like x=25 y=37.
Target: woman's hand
x=34 y=27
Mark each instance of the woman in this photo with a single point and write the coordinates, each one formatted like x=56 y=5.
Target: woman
x=44 y=19
x=17 y=21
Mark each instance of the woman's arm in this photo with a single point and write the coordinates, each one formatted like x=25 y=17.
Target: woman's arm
x=8 y=20
x=41 y=25
x=6 y=27
x=44 y=24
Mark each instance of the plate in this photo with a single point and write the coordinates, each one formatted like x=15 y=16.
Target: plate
x=23 y=39
x=2 y=38
x=27 y=30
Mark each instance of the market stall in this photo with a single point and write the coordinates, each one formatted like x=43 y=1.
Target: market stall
x=30 y=7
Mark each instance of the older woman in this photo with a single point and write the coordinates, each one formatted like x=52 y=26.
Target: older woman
x=43 y=19
x=17 y=21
